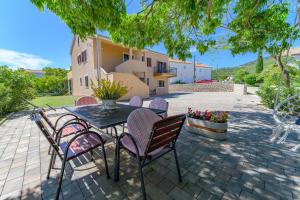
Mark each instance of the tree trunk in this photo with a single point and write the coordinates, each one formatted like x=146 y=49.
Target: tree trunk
x=285 y=73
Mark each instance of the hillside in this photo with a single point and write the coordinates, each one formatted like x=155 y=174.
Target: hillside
x=223 y=73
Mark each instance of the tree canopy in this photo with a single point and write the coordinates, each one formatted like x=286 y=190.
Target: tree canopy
x=253 y=24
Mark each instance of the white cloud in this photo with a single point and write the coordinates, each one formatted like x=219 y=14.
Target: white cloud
x=16 y=59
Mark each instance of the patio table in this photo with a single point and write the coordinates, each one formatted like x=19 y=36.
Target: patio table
x=102 y=119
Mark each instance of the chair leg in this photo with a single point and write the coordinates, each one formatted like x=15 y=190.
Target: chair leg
x=50 y=164
x=60 y=179
x=92 y=154
x=117 y=162
x=54 y=159
x=177 y=165
x=49 y=150
x=142 y=179
x=105 y=162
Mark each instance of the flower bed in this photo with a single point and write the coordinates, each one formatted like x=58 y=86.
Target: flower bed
x=212 y=124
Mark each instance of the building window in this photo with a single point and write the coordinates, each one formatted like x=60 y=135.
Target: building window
x=161 y=67
x=161 y=83
x=80 y=81
x=78 y=41
x=79 y=59
x=147 y=81
x=125 y=57
x=149 y=64
x=83 y=56
x=143 y=59
x=86 y=81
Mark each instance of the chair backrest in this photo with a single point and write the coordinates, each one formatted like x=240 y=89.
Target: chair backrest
x=140 y=123
x=136 y=101
x=86 y=100
x=47 y=135
x=287 y=111
x=164 y=132
x=161 y=104
x=46 y=119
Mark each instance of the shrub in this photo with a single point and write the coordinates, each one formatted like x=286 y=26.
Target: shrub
x=53 y=83
x=239 y=76
x=14 y=85
x=250 y=79
x=272 y=89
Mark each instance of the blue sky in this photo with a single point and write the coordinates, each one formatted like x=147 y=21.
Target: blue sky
x=33 y=39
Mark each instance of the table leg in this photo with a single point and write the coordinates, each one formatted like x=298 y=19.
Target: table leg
x=116 y=170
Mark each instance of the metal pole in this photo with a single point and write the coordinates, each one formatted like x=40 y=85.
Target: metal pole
x=194 y=70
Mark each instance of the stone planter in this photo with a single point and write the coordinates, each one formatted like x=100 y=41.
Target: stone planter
x=209 y=129
x=108 y=104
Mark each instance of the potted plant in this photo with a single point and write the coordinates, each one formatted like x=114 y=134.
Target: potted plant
x=108 y=91
x=212 y=124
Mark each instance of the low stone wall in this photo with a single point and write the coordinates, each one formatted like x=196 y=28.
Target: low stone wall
x=207 y=87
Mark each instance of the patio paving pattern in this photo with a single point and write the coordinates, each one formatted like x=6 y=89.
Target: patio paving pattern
x=245 y=166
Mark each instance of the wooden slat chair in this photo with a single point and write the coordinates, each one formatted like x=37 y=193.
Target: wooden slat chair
x=160 y=104
x=149 y=137
x=86 y=100
x=82 y=143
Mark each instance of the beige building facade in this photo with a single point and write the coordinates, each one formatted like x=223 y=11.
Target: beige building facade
x=144 y=72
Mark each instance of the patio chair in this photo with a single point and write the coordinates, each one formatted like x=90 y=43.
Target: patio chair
x=149 y=137
x=68 y=128
x=160 y=104
x=86 y=100
x=136 y=101
x=286 y=115
x=80 y=144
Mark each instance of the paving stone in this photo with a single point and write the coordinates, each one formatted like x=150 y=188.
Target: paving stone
x=12 y=186
x=178 y=194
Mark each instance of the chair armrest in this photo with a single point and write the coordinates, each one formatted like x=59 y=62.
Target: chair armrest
x=65 y=115
x=81 y=134
x=132 y=140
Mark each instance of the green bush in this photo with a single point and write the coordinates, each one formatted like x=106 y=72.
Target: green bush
x=250 y=79
x=15 y=85
x=53 y=83
x=239 y=76
x=273 y=88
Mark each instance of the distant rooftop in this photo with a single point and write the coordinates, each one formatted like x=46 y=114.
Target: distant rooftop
x=187 y=62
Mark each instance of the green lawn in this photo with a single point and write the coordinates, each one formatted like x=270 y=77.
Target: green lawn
x=55 y=101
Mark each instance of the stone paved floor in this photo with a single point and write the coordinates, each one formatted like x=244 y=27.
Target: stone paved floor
x=245 y=166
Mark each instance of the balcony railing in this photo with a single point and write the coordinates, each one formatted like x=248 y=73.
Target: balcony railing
x=171 y=71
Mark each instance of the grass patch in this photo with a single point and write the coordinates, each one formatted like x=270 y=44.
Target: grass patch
x=55 y=101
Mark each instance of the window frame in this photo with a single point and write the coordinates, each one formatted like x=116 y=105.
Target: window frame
x=86 y=82
x=79 y=61
x=82 y=53
x=124 y=53
x=159 y=81
x=149 y=62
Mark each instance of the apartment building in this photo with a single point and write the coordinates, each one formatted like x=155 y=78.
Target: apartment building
x=144 y=72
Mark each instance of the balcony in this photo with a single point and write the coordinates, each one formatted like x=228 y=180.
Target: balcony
x=164 y=72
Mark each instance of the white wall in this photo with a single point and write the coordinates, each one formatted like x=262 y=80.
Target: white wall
x=203 y=73
x=185 y=72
